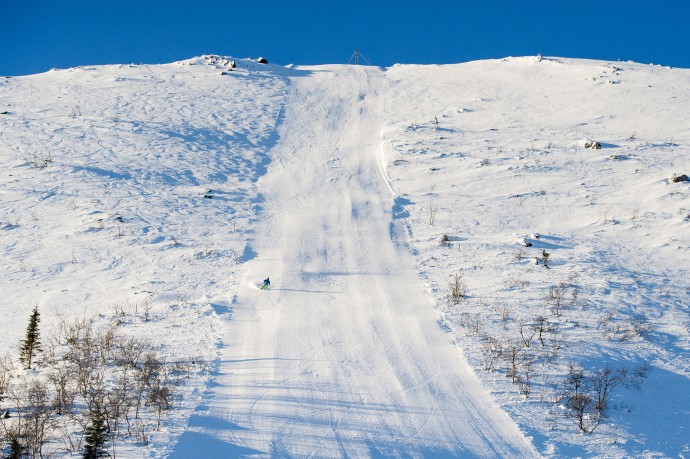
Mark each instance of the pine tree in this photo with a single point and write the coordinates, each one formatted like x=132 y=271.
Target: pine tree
x=16 y=449
x=31 y=345
x=96 y=436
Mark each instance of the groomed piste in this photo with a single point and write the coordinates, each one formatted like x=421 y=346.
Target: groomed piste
x=445 y=254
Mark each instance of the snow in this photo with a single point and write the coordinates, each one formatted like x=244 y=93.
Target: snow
x=157 y=198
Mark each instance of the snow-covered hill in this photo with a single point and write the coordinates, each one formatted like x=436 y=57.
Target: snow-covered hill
x=149 y=201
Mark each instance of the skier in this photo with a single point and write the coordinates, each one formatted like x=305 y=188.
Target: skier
x=266 y=283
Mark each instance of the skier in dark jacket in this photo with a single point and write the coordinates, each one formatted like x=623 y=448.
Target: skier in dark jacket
x=267 y=282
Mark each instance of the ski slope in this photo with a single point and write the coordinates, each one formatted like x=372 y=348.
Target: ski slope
x=152 y=200
x=343 y=356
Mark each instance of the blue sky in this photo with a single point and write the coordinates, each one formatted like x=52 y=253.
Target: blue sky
x=39 y=35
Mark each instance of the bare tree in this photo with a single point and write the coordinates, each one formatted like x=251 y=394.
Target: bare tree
x=579 y=403
x=580 y=406
x=541 y=326
x=575 y=380
x=602 y=382
x=160 y=397
x=63 y=390
x=524 y=380
x=512 y=355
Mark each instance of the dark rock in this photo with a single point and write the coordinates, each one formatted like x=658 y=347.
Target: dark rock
x=591 y=144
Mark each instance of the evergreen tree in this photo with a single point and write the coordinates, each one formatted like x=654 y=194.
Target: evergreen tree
x=96 y=436
x=16 y=450
x=31 y=345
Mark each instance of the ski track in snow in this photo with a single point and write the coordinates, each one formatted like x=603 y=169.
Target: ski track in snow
x=343 y=356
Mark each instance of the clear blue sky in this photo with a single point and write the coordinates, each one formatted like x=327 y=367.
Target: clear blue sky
x=38 y=35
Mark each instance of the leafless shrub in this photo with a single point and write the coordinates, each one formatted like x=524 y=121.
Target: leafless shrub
x=457 y=289
x=554 y=298
x=128 y=352
x=512 y=356
x=64 y=391
x=618 y=329
x=140 y=432
x=578 y=402
x=432 y=214
x=106 y=342
x=602 y=382
x=588 y=393
x=503 y=313
x=146 y=307
x=634 y=377
x=472 y=322
x=72 y=333
x=40 y=160
x=524 y=381
x=149 y=372
x=527 y=332
x=119 y=400
x=581 y=408
x=119 y=309
x=6 y=368
x=604 y=323
x=412 y=127
x=640 y=325
x=160 y=397
x=519 y=283
x=555 y=345
x=33 y=424
x=574 y=299
x=541 y=326
x=492 y=352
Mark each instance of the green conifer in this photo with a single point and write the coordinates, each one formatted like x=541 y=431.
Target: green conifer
x=31 y=345
x=96 y=436
x=16 y=450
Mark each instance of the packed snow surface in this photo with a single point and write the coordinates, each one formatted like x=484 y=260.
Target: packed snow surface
x=155 y=199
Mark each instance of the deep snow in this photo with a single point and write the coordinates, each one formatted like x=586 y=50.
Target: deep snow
x=180 y=187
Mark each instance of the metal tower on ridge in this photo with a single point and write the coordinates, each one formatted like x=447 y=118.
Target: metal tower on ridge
x=356 y=55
